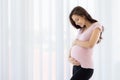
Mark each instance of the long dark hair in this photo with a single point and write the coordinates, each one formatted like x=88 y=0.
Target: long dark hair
x=80 y=11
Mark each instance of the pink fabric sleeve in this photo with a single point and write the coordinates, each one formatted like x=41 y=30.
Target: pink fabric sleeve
x=99 y=26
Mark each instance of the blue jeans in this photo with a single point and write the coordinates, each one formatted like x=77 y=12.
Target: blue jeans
x=80 y=73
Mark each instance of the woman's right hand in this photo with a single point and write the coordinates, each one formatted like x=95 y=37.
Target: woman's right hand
x=73 y=61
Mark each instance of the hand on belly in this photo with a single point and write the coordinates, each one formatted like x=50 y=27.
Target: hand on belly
x=73 y=61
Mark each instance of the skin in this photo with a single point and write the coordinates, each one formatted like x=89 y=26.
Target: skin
x=80 y=20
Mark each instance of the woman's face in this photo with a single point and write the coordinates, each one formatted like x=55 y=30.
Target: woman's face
x=79 y=20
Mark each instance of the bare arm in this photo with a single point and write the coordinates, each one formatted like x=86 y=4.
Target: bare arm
x=92 y=41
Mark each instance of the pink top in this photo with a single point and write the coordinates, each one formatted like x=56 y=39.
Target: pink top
x=81 y=54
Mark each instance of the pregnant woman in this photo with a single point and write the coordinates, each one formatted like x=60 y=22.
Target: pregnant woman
x=89 y=34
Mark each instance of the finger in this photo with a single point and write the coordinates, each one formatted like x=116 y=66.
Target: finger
x=71 y=59
x=76 y=63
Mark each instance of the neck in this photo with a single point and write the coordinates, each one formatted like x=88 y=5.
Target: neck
x=88 y=24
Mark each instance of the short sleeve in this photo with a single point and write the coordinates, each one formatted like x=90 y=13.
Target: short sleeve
x=98 y=25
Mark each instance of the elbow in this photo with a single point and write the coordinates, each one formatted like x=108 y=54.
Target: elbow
x=91 y=45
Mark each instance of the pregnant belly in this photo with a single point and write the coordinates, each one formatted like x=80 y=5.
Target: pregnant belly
x=83 y=56
x=79 y=53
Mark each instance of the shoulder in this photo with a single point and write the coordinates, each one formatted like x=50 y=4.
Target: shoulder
x=98 y=26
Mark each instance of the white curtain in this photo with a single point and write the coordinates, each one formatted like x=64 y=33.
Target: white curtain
x=35 y=36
